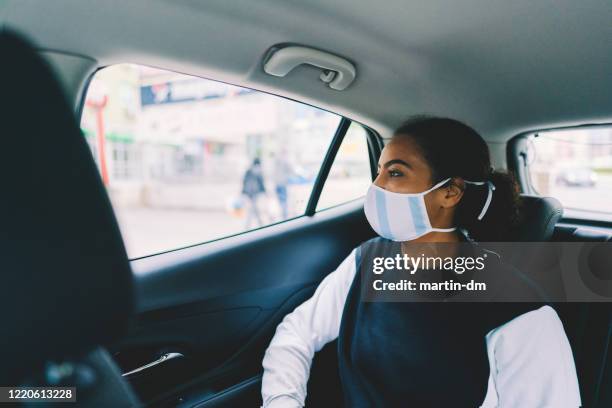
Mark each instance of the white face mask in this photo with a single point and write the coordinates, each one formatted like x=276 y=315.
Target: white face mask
x=403 y=217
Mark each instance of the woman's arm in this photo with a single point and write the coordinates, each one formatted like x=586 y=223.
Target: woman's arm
x=532 y=363
x=303 y=332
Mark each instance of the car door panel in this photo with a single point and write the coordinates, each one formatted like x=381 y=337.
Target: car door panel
x=272 y=257
x=218 y=304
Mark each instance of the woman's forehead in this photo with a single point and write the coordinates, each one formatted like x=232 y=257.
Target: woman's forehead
x=402 y=148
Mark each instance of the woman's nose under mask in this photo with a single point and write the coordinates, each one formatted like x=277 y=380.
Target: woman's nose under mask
x=403 y=217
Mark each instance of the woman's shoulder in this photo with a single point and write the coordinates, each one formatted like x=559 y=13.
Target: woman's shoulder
x=375 y=247
x=378 y=245
x=541 y=325
x=535 y=318
x=376 y=241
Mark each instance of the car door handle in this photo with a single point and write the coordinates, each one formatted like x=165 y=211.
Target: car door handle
x=165 y=358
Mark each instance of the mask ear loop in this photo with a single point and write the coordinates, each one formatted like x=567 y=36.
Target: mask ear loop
x=487 y=203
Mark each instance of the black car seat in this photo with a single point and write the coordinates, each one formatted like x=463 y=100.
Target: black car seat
x=587 y=325
x=538 y=259
x=539 y=217
x=67 y=284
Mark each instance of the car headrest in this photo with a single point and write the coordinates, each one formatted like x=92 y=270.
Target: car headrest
x=539 y=215
x=66 y=279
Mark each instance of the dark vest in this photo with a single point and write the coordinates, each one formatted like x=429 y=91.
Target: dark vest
x=420 y=354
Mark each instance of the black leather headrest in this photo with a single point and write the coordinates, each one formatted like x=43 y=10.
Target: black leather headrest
x=539 y=215
x=66 y=280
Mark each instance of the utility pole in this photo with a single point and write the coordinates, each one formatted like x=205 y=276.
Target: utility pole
x=98 y=105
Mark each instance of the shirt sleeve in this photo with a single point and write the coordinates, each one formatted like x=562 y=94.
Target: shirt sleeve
x=532 y=363
x=303 y=332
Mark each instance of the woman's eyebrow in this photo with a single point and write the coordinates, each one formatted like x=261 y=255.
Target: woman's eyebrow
x=396 y=161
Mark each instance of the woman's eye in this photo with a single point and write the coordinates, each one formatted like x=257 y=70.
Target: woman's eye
x=395 y=173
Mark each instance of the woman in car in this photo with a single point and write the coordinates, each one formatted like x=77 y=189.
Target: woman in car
x=434 y=185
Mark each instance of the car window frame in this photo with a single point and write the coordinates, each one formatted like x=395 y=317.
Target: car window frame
x=517 y=163
x=374 y=143
x=374 y=146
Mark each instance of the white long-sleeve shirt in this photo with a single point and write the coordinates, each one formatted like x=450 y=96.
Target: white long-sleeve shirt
x=530 y=359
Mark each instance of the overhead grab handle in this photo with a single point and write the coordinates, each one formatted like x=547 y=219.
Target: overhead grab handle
x=337 y=72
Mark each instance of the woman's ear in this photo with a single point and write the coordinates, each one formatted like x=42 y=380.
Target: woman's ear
x=453 y=193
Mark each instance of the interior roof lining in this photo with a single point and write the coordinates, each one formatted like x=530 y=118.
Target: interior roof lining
x=504 y=69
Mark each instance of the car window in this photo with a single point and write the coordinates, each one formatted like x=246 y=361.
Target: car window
x=187 y=160
x=574 y=166
x=350 y=174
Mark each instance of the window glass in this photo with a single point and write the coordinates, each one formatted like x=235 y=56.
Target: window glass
x=187 y=160
x=574 y=166
x=350 y=174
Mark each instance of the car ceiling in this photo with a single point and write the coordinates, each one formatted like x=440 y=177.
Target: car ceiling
x=502 y=66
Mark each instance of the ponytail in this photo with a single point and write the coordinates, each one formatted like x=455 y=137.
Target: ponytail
x=501 y=216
